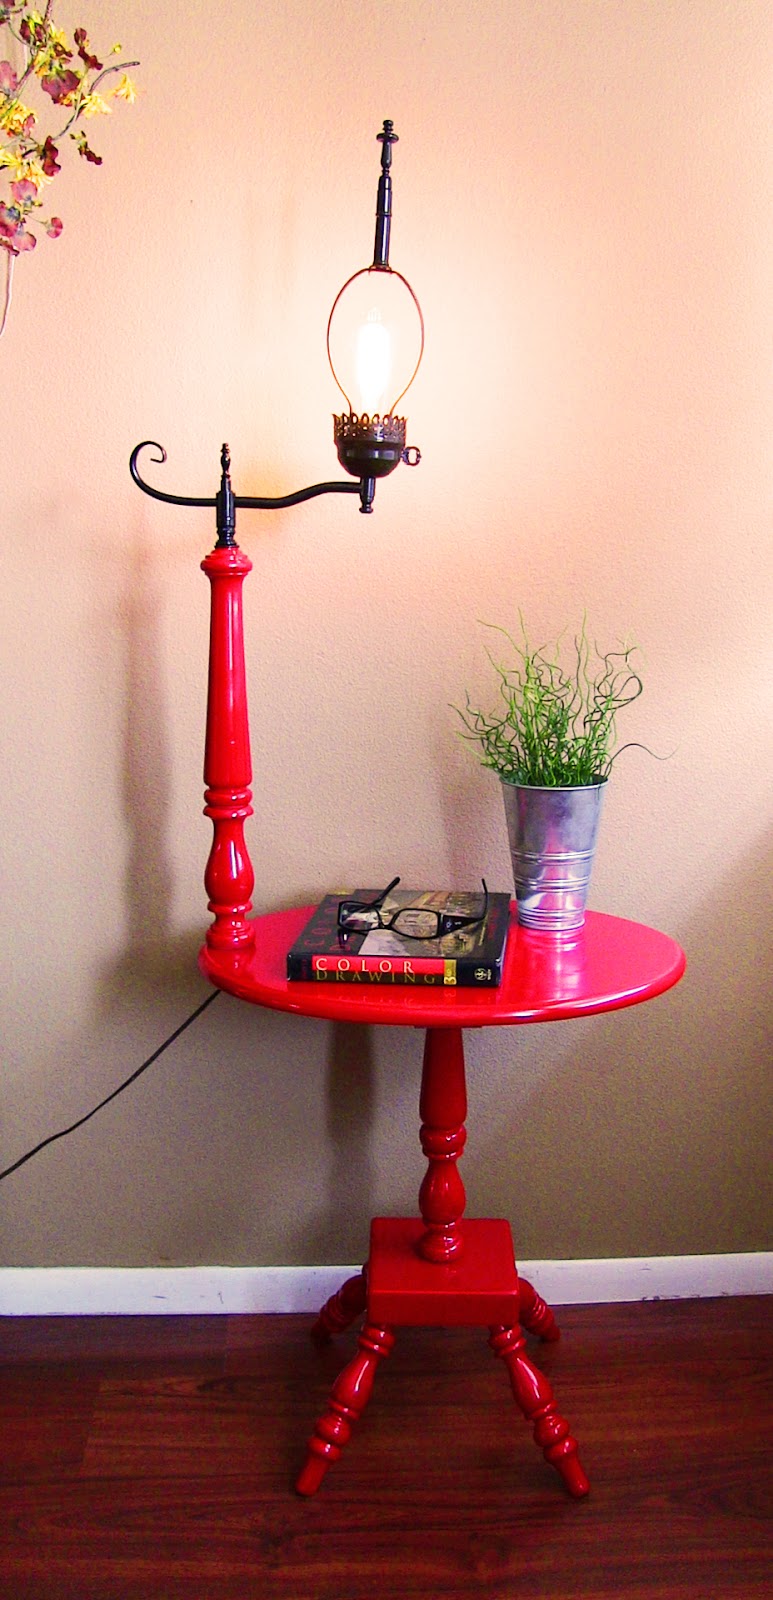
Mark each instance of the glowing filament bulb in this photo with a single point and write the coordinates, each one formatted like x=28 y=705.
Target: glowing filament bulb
x=374 y=340
x=374 y=364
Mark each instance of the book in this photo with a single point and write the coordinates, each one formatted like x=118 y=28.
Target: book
x=470 y=957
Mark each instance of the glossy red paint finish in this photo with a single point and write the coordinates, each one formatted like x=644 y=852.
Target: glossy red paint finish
x=229 y=877
x=440 y=1269
x=534 y=1397
x=436 y=1269
x=477 y=1287
x=351 y=1392
x=443 y=1108
x=607 y=964
x=443 y=1271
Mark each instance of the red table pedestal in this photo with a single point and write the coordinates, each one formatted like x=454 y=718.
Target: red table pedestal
x=443 y=1271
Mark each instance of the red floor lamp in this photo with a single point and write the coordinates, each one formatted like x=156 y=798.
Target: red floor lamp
x=375 y=340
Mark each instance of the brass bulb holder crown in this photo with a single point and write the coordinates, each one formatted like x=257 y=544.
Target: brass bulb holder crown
x=369 y=447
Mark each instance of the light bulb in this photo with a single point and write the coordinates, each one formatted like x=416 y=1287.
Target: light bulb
x=375 y=339
x=374 y=363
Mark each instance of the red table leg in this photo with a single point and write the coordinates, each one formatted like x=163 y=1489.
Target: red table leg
x=535 y=1314
x=343 y=1308
x=534 y=1395
x=351 y=1392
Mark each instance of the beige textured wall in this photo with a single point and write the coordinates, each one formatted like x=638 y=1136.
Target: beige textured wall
x=583 y=205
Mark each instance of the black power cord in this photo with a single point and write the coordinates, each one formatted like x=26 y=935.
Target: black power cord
x=52 y=1138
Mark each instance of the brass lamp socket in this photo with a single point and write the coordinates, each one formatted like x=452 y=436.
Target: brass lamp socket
x=369 y=447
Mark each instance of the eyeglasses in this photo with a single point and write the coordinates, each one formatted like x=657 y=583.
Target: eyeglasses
x=411 y=922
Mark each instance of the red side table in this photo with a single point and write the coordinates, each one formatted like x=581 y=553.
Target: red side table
x=441 y=1269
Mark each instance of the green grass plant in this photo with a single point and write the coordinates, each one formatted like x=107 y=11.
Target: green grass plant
x=554 y=723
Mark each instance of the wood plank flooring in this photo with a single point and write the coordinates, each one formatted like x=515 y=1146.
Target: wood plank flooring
x=153 y=1458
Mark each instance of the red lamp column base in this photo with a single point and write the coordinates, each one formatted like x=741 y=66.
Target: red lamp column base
x=229 y=878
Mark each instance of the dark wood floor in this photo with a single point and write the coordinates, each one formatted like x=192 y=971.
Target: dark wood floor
x=155 y=1457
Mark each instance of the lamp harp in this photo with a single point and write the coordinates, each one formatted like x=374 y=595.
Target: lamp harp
x=375 y=341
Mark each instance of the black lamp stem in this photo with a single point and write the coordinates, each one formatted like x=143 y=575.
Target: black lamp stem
x=225 y=503
x=387 y=138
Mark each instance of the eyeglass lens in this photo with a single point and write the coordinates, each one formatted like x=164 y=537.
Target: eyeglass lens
x=413 y=922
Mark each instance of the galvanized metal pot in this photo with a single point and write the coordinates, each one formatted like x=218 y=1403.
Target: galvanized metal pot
x=552 y=835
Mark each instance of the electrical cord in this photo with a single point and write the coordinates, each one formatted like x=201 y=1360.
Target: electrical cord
x=115 y=1092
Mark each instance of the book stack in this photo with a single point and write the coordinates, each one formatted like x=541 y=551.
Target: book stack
x=470 y=957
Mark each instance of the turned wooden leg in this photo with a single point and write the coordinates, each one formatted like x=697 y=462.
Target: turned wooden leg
x=534 y=1395
x=443 y=1108
x=351 y=1392
x=535 y=1314
x=343 y=1308
x=229 y=877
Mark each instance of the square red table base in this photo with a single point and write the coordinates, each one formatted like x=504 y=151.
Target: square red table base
x=478 y=1285
x=400 y=1287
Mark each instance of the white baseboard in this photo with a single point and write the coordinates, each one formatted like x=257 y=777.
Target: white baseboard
x=143 y=1291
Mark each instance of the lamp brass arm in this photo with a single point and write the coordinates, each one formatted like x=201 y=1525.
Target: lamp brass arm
x=227 y=503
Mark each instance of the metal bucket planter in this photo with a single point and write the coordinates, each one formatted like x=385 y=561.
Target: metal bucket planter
x=552 y=835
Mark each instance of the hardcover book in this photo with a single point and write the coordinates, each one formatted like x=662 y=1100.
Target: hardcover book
x=469 y=957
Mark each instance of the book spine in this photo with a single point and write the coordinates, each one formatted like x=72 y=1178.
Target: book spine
x=383 y=966
x=418 y=972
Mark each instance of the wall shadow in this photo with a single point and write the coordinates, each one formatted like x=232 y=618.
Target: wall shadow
x=146 y=776
x=157 y=961
x=647 y=1134
x=350 y=1118
x=230 y=1082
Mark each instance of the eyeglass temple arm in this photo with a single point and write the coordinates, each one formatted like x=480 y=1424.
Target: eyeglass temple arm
x=369 y=905
x=379 y=900
x=460 y=921
x=482 y=916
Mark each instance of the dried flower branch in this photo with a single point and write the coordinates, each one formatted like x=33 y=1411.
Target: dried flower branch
x=71 y=76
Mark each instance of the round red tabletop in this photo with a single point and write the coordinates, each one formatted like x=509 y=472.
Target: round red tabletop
x=607 y=964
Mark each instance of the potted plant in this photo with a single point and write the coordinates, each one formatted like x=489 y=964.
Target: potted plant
x=551 y=739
